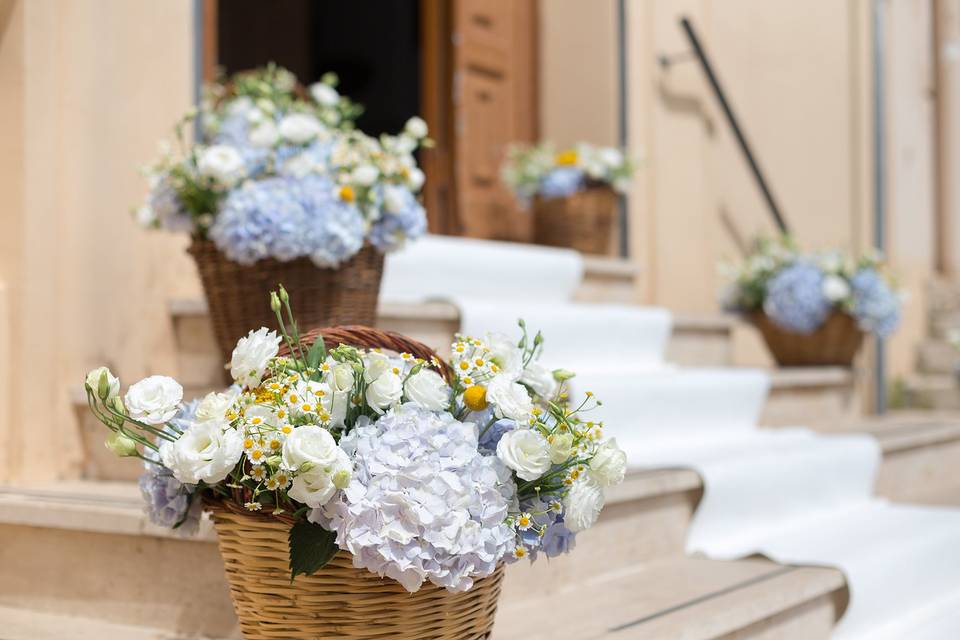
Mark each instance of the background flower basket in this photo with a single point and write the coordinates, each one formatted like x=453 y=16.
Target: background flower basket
x=583 y=220
x=836 y=342
x=328 y=296
x=339 y=600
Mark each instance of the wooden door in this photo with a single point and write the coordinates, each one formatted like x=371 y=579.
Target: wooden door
x=490 y=74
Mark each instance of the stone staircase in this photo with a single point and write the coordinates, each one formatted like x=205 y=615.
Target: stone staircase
x=936 y=384
x=80 y=555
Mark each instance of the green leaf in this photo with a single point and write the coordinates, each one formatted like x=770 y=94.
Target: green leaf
x=311 y=547
x=317 y=353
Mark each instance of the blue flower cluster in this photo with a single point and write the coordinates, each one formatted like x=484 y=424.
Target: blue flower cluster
x=402 y=218
x=170 y=503
x=286 y=218
x=561 y=182
x=795 y=298
x=875 y=305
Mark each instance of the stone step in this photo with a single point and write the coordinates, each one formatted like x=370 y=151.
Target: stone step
x=940 y=392
x=685 y=599
x=937 y=357
x=86 y=549
x=697 y=340
x=807 y=395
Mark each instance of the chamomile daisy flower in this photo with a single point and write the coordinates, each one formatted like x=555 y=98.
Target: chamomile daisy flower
x=252 y=506
x=524 y=521
x=257 y=473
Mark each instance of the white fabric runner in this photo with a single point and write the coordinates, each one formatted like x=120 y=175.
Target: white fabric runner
x=791 y=494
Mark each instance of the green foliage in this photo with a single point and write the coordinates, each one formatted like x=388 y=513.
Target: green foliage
x=311 y=548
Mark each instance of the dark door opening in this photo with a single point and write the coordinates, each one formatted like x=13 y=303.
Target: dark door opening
x=372 y=45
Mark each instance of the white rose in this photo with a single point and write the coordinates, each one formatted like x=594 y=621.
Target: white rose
x=428 y=389
x=385 y=392
x=365 y=175
x=393 y=198
x=207 y=452
x=214 y=405
x=609 y=464
x=313 y=444
x=415 y=178
x=264 y=134
x=252 y=355
x=154 y=400
x=314 y=488
x=561 y=447
x=526 y=452
x=582 y=504
x=113 y=383
x=416 y=128
x=540 y=380
x=324 y=94
x=222 y=163
x=300 y=128
x=510 y=400
x=835 y=288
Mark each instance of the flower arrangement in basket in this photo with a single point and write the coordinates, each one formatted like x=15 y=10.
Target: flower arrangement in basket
x=281 y=187
x=573 y=192
x=813 y=309
x=349 y=455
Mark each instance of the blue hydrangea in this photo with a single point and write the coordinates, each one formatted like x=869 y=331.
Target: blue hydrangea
x=795 y=299
x=167 y=208
x=168 y=502
x=547 y=532
x=561 y=182
x=490 y=438
x=875 y=305
x=287 y=217
x=402 y=218
x=234 y=130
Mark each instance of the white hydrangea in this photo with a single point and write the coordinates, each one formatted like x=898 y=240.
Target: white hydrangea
x=423 y=503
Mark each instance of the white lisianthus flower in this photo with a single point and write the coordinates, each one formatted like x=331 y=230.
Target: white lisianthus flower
x=374 y=365
x=835 y=288
x=540 y=380
x=112 y=386
x=299 y=128
x=206 y=452
x=365 y=175
x=154 y=400
x=582 y=504
x=222 y=163
x=324 y=94
x=561 y=447
x=215 y=404
x=393 y=198
x=510 y=399
x=341 y=378
x=609 y=464
x=525 y=451
x=416 y=128
x=428 y=389
x=252 y=355
x=264 y=134
x=506 y=354
x=146 y=217
x=314 y=445
x=415 y=178
x=611 y=157
x=385 y=392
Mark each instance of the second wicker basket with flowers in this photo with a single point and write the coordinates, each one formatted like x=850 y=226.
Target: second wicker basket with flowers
x=813 y=310
x=362 y=487
x=281 y=187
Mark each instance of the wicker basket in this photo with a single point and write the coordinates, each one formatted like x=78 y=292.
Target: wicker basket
x=582 y=221
x=238 y=296
x=339 y=601
x=836 y=342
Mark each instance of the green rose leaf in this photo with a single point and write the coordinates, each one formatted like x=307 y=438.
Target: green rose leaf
x=311 y=547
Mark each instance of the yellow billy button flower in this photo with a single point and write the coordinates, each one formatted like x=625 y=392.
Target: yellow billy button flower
x=475 y=398
x=567 y=158
x=346 y=193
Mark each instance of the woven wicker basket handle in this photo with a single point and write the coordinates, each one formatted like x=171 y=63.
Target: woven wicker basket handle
x=371 y=338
